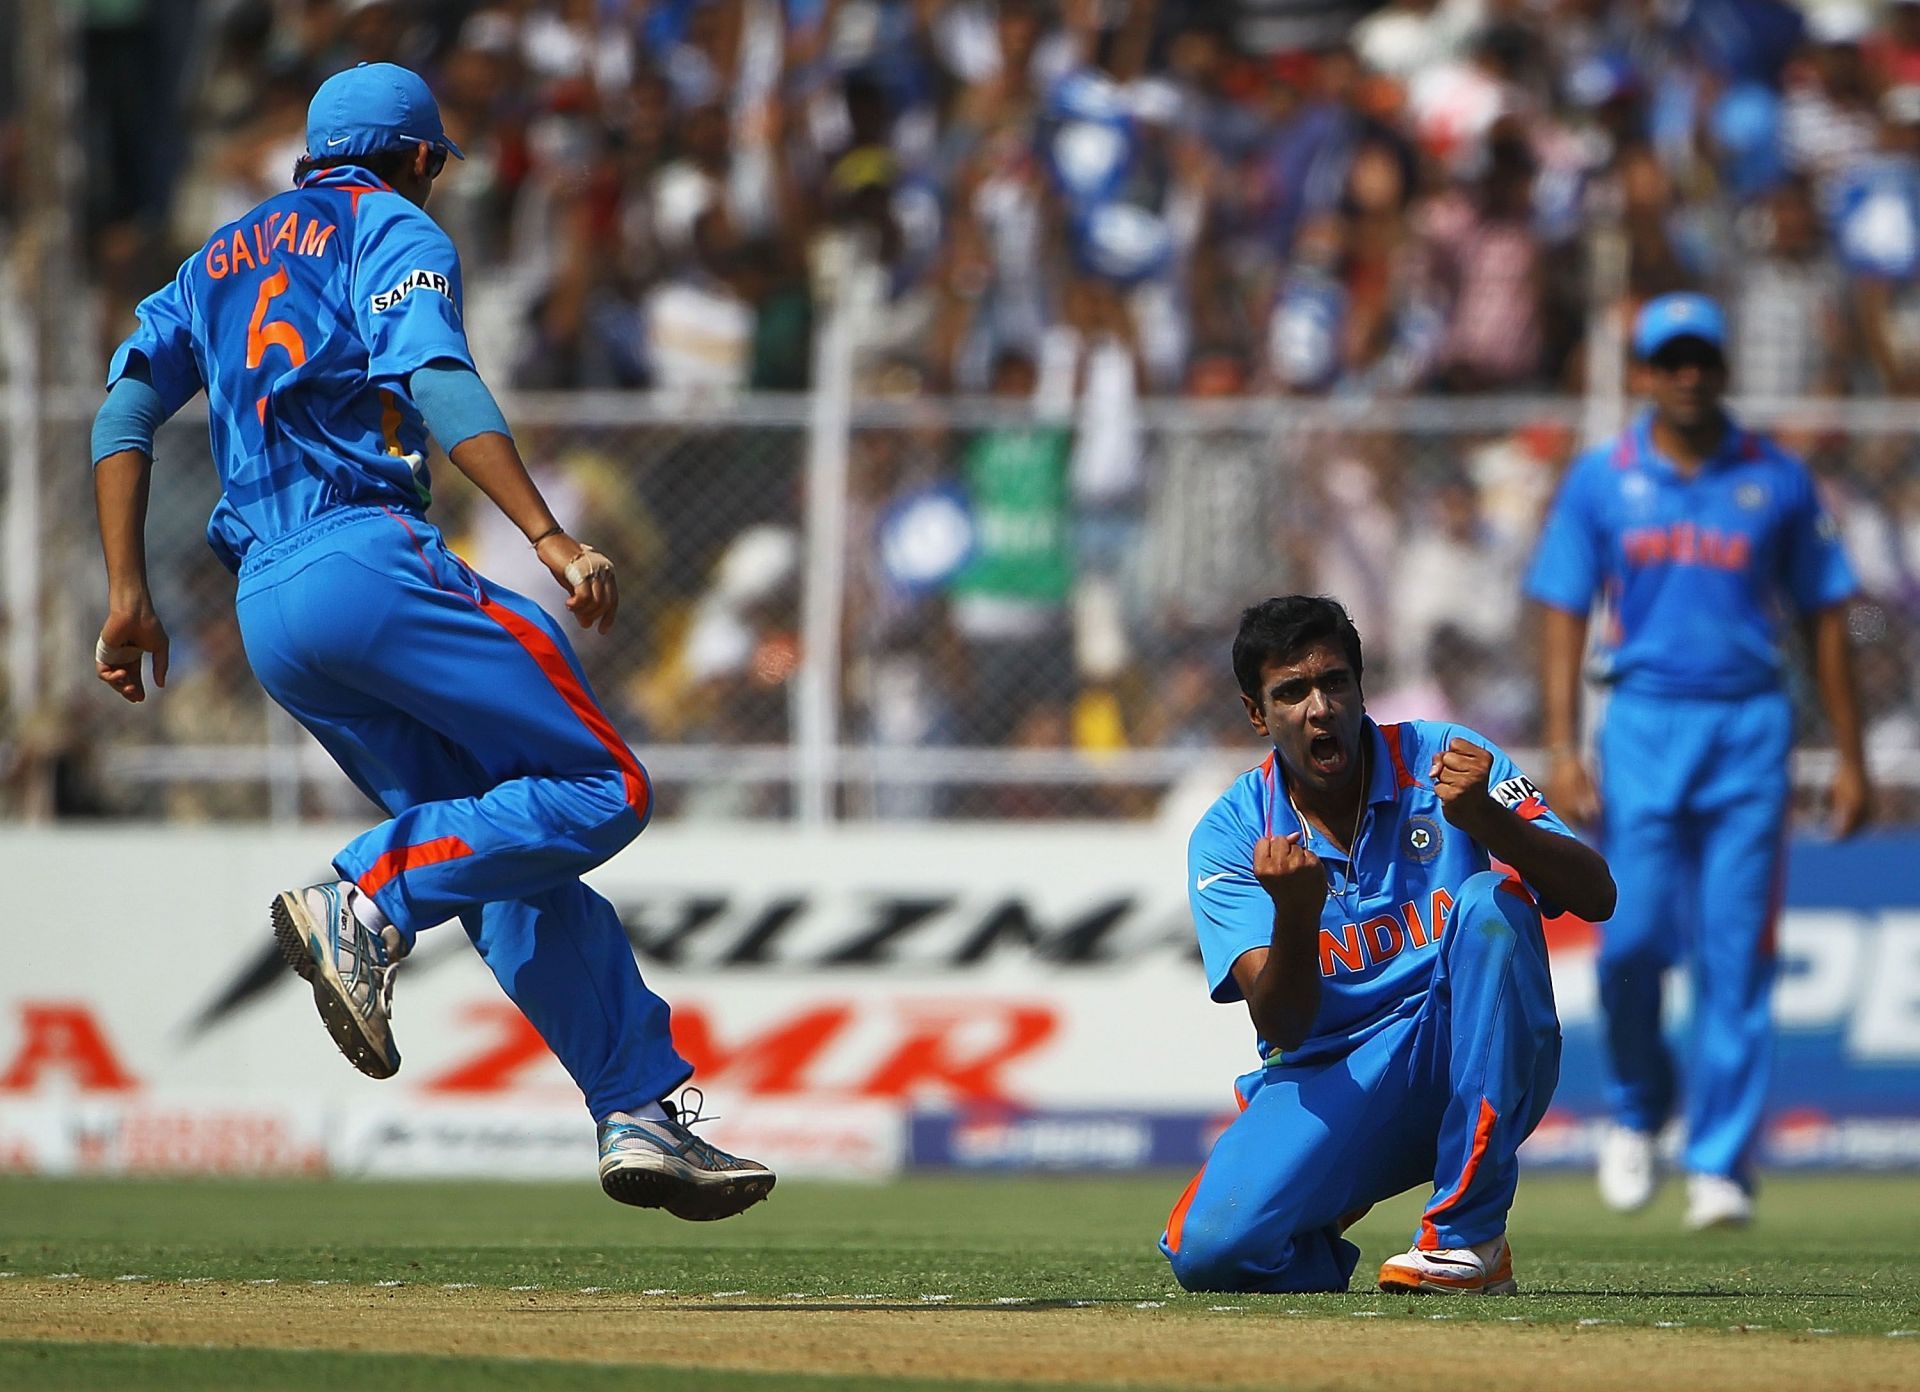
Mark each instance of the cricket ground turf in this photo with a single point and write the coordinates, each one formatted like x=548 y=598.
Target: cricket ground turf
x=952 y=1284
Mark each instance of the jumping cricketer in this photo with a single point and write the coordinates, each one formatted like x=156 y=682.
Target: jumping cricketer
x=324 y=327
x=1702 y=537
x=1397 y=981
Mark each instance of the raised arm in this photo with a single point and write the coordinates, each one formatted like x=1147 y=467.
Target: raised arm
x=1282 y=981
x=1571 y=874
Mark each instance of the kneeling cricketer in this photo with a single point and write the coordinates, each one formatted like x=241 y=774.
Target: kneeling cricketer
x=1346 y=890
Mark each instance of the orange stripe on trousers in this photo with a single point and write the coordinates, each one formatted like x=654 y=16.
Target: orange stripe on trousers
x=411 y=858
x=558 y=671
x=553 y=663
x=1178 y=1218
x=1482 y=1133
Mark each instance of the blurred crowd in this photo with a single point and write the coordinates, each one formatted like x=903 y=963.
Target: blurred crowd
x=1347 y=196
x=1073 y=211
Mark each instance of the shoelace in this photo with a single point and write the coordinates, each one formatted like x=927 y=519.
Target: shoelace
x=688 y=1116
x=383 y=987
x=371 y=955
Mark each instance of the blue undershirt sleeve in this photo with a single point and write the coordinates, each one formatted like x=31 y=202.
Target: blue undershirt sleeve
x=455 y=403
x=129 y=416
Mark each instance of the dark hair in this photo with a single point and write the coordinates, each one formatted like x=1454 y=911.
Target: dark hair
x=1276 y=629
x=386 y=164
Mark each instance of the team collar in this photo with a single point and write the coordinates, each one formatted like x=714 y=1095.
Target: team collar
x=1736 y=446
x=344 y=173
x=1383 y=781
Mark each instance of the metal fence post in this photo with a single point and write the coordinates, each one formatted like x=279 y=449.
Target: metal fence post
x=40 y=353
x=824 y=582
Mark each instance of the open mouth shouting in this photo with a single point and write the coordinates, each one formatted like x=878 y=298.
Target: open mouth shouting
x=1326 y=755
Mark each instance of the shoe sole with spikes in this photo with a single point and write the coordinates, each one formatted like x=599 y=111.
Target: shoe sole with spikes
x=298 y=936
x=685 y=1197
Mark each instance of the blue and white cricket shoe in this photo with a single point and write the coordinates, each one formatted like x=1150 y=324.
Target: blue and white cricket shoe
x=351 y=968
x=654 y=1163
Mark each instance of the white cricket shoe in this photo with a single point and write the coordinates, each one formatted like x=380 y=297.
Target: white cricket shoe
x=659 y=1163
x=350 y=966
x=1485 y=1269
x=1629 y=1169
x=1714 y=1201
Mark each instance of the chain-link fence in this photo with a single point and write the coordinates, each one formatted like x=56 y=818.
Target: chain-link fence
x=1032 y=611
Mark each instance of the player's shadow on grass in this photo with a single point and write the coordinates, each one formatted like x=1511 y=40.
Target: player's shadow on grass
x=1691 y=1294
x=761 y=1307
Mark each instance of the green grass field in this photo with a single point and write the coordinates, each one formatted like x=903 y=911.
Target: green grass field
x=1830 y=1263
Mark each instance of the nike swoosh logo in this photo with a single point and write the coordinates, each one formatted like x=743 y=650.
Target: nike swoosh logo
x=1206 y=880
x=340 y=140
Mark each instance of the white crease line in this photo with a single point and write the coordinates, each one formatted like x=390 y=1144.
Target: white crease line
x=1902 y=1333
x=5 y=1274
x=130 y=1278
x=1669 y=1324
x=457 y=1285
x=265 y=1281
x=195 y=1280
x=1366 y=1314
x=389 y=1283
x=1439 y=1317
x=935 y=1299
x=1820 y=1331
x=592 y=1290
x=1587 y=1323
x=64 y=1276
x=1010 y=1300
x=727 y=1295
x=1151 y=1305
x=657 y=1290
x=1224 y=1309
x=322 y=1283
x=525 y=1288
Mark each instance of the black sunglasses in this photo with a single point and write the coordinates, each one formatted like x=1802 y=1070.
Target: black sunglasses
x=1687 y=352
x=436 y=161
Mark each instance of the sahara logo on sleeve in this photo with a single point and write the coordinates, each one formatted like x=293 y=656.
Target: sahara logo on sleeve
x=412 y=281
x=1519 y=795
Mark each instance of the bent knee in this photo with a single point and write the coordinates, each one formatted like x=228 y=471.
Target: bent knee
x=1215 y=1255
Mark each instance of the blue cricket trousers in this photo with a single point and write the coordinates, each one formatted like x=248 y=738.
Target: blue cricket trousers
x=460 y=709
x=1445 y=1094
x=1694 y=799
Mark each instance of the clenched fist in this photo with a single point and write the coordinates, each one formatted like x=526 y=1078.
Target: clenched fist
x=1292 y=876
x=1460 y=776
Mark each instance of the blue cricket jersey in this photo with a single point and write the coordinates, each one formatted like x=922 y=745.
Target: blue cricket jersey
x=302 y=321
x=1379 y=936
x=1697 y=570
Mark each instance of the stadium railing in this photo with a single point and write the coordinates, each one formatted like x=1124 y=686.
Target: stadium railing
x=839 y=606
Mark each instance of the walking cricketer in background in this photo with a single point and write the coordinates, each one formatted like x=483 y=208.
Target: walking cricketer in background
x=1699 y=533
x=1397 y=983
x=325 y=328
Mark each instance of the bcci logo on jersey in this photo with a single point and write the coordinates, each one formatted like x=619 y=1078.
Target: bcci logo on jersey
x=1423 y=838
x=414 y=280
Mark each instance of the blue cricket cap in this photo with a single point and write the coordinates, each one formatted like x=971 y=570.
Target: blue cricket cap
x=1678 y=316
x=374 y=107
